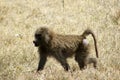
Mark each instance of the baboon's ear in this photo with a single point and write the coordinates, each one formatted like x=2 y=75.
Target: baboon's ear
x=48 y=37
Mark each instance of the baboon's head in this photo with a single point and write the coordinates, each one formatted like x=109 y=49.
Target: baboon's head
x=42 y=36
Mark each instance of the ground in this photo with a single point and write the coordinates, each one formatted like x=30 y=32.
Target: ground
x=20 y=18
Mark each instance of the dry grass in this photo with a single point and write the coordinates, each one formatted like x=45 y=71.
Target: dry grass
x=20 y=18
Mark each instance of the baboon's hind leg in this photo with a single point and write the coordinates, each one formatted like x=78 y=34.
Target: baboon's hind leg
x=93 y=61
x=81 y=61
x=60 y=58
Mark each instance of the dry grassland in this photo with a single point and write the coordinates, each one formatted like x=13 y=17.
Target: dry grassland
x=20 y=18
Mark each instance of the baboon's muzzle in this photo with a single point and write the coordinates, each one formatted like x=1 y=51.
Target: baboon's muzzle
x=36 y=43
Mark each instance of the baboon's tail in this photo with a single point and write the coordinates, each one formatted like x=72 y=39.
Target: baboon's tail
x=86 y=33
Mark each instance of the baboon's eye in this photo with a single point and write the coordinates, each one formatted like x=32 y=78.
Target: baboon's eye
x=38 y=36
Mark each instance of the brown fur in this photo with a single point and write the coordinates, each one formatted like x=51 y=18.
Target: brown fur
x=63 y=46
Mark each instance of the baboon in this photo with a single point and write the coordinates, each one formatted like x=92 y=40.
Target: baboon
x=61 y=47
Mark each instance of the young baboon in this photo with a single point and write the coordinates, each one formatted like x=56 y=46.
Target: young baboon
x=83 y=58
x=61 y=47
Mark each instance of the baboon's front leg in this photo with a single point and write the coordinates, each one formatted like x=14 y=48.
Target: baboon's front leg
x=42 y=61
